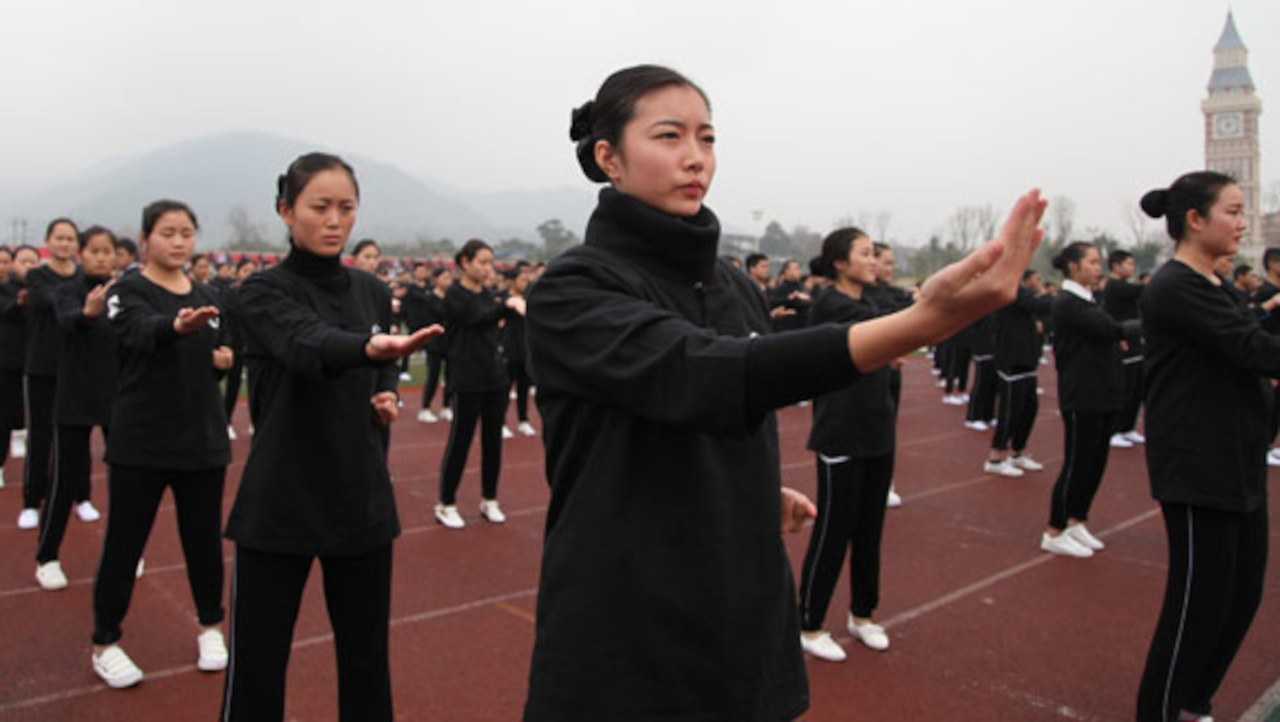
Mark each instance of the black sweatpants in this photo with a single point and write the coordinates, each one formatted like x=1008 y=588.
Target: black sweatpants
x=435 y=366
x=956 y=372
x=982 y=402
x=1018 y=407
x=487 y=408
x=851 y=493
x=1127 y=419
x=1217 y=562
x=131 y=512
x=231 y=393
x=266 y=593
x=519 y=374
x=35 y=479
x=72 y=466
x=1086 y=445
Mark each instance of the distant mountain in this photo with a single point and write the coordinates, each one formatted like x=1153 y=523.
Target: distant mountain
x=222 y=173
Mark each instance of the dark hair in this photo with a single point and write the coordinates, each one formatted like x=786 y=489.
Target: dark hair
x=244 y=262
x=128 y=245
x=836 y=247
x=1241 y=271
x=26 y=247
x=469 y=250
x=438 y=272
x=152 y=213
x=363 y=245
x=200 y=257
x=614 y=106
x=92 y=231
x=6 y=249
x=1269 y=257
x=755 y=258
x=48 y=230
x=881 y=248
x=1118 y=257
x=305 y=167
x=1028 y=274
x=1072 y=253
x=815 y=266
x=1196 y=191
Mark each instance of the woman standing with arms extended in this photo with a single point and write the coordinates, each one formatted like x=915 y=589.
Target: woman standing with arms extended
x=1208 y=364
x=167 y=432
x=1090 y=387
x=316 y=483
x=853 y=436
x=13 y=344
x=665 y=590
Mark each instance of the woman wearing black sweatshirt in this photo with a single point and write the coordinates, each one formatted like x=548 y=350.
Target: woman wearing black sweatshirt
x=1208 y=365
x=472 y=314
x=1090 y=386
x=1017 y=356
x=13 y=346
x=86 y=385
x=853 y=437
x=437 y=350
x=516 y=353
x=665 y=590
x=316 y=483
x=167 y=432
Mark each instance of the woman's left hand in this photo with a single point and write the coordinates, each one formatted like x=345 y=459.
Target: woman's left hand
x=386 y=407
x=796 y=510
x=223 y=358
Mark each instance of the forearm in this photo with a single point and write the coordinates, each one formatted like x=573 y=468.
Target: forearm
x=875 y=343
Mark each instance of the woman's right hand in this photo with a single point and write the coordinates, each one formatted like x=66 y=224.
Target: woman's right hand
x=190 y=320
x=388 y=346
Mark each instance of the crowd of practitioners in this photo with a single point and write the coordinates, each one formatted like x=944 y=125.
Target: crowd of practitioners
x=660 y=367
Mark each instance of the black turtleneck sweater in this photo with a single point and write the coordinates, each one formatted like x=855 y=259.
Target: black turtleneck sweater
x=86 y=358
x=475 y=355
x=316 y=479
x=167 y=413
x=13 y=331
x=665 y=592
x=858 y=419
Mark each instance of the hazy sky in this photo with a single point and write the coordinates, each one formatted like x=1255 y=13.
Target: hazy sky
x=822 y=108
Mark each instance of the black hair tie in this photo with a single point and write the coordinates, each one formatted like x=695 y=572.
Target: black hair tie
x=582 y=119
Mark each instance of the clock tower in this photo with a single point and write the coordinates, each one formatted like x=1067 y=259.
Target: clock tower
x=1231 y=128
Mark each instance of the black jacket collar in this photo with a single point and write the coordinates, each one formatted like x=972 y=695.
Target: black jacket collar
x=683 y=249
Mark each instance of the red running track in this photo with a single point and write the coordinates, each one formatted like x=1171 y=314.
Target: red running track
x=984 y=626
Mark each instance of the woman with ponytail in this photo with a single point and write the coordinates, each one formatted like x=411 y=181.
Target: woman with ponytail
x=853 y=437
x=1207 y=371
x=665 y=590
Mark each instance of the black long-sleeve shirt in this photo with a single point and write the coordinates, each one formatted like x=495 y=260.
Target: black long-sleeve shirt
x=856 y=420
x=13 y=327
x=1207 y=367
x=475 y=353
x=1017 y=343
x=87 y=358
x=787 y=294
x=655 y=382
x=316 y=480
x=42 y=329
x=167 y=413
x=1120 y=299
x=1086 y=350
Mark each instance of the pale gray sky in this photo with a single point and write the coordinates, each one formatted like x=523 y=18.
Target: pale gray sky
x=822 y=108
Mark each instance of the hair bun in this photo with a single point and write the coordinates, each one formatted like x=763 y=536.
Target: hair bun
x=1155 y=203
x=1059 y=262
x=581 y=121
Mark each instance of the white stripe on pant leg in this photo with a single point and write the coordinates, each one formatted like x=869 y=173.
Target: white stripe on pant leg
x=1073 y=436
x=52 y=496
x=827 y=463
x=1182 y=622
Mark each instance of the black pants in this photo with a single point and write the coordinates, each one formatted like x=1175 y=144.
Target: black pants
x=1217 y=562
x=956 y=372
x=895 y=392
x=266 y=593
x=487 y=408
x=232 y=390
x=135 y=497
x=1018 y=407
x=35 y=480
x=1086 y=445
x=982 y=402
x=435 y=366
x=1127 y=419
x=519 y=374
x=72 y=466
x=851 y=494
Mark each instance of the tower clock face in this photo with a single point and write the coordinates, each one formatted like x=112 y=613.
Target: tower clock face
x=1228 y=125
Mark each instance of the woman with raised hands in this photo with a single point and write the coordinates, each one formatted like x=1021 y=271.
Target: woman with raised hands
x=665 y=590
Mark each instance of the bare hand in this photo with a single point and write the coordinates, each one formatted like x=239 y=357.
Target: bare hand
x=1124 y=346
x=898 y=363
x=796 y=510
x=22 y=297
x=782 y=312
x=517 y=304
x=386 y=407
x=223 y=358
x=395 y=306
x=387 y=346
x=96 y=302
x=190 y=320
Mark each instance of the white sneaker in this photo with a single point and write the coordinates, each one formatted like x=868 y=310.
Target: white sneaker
x=1080 y=535
x=17 y=446
x=1002 y=468
x=87 y=512
x=1044 y=361
x=963 y=397
x=426 y=417
x=977 y=425
x=1119 y=442
x=803 y=404
x=115 y=668
x=29 y=519
x=893 y=501
x=940 y=384
x=1064 y=545
x=213 y=651
x=821 y=645
x=1135 y=437
x=1273 y=457
x=870 y=634
x=50 y=576
x=507 y=433
x=231 y=433
x=446 y=414
x=138 y=570
x=1 y=477
x=526 y=429
x=448 y=516
x=1026 y=463
x=512 y=396
x=491 y=512
x=404 y=376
